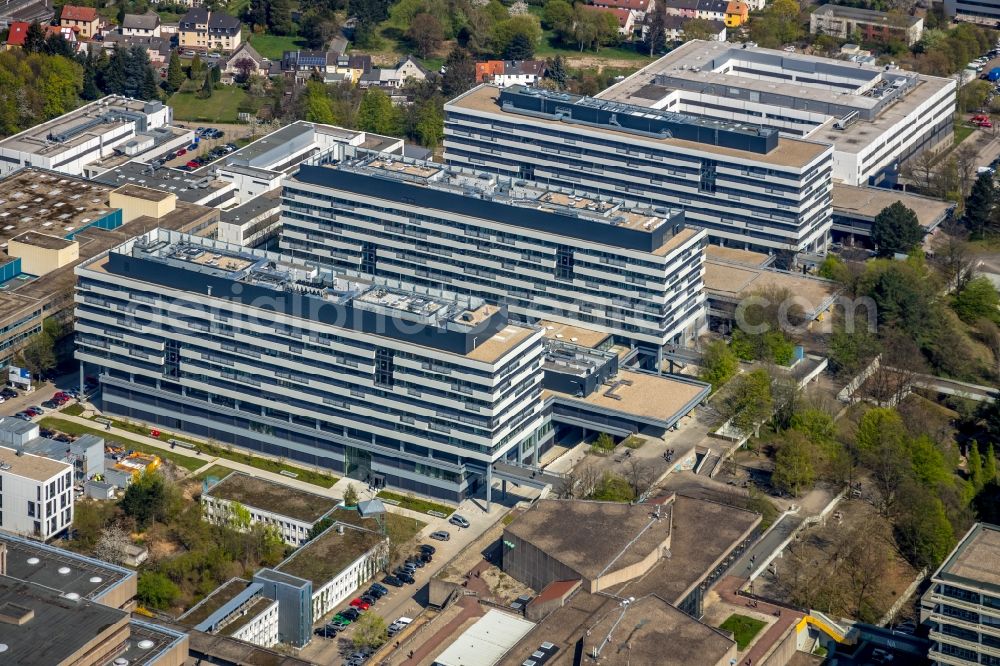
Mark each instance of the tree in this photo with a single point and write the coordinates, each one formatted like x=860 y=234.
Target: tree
x=640 y=475
x=612 y=487
x=39 y=355
x=519 y=48
x=367 y=15
x=556 y=68
x=603 y=443
x=257 y=13
x=244 y=68
x=718 y=364
x=975 y=467
x=655 y=37
x=426 y=34
x=429 y=127
x=239 y=517
x=880 y=441
x=979 y=206
x=966 y=160
x=896 y=229
x=793 y=466
x=56 y=44
x=923 y=531
x=89 y=520
x=316 y=104
x=459 y=74
x=978 y=300
x=558 y=15
x=149 y=497
x=113 y=545
x=525 y=28
x=377 y=114
x=34 y=39
x=175 y=73
x=156 y=590
x=318 y=27
x=369 y=631
x=749 y=402
x=279 y=17
x=149 y=90
x=350 y=496
x=697 y=29
x=208 y=86
x=990 y=466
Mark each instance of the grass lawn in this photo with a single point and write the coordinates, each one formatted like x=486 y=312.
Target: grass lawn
x=221 y=107
x=744 y=629
x=402 y=529
x=274 y=46
x=634 y=442
x=71 y=428
x=309 y=476
x=415 y=503
x=550 y=47
x=218 y=471
x=73 y=410
x=962 y=132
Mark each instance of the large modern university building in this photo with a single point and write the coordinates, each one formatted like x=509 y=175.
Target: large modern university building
x=414 y=389
x=875 y=118
x=546 y=252
x=747 y=185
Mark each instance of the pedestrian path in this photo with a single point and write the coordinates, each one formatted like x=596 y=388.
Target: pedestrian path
x=728 y=591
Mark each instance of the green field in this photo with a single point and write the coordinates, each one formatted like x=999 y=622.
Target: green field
x=962 y=132
x=744 y=629
x=273 y=46
x=415 y=503
x=71 y=428
x=221 y=107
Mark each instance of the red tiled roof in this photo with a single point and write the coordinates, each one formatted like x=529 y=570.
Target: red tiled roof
x=556 y=590
x=18 y=31
x=637 y=5
x=488 y=69
x=74 y=13
x=621 y=14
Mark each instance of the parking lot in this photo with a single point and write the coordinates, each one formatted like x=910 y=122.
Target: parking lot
x=210 y=144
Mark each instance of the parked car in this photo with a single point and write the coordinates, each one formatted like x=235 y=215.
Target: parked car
x=426 y=557
x=461 y=521
x=392 y=580
x=369 y=599
x=34 y=410
x=193 y=146
x=24 y=416
x=193 y=164
x=351 y=614
x=416 y=561
x=180 y=151
x=50 y=404
x=340 y=621
x=378 y=591
x=184 y=167
x=360 y=604
x=440 y=535
x=427 y=548
x=8 y=392
x=405 y=577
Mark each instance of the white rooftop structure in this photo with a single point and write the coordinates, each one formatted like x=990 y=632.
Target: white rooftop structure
x=487 y=641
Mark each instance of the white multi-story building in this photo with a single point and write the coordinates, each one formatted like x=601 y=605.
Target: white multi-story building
x=962 y=606
x=746 y=185
x=72 y=141
x=416 y=389
x=293 y=512
x=37 y=494
x=875 y=118
x=236 y=609
x=544 y=251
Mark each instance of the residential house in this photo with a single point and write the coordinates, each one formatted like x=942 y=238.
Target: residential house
x=871 y=26
x=395 y=78
x=69 y=34
x=675 y=29
x=84 y=18
x=203 y=30
x=409 y=68
x=353 y=67
x=710 y=10
x=141 y=25
x=684 y=8
x=626 y=19
x=158 y=48
x=503 y=73
x=640 y=7
x=737 y=13
x=16 y=34
x=231 y=67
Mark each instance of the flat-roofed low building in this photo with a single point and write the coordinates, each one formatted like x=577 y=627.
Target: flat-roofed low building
x=70 y=142
x=292 y=511
x=239 y=610
x=855 y=210
x=962 y=606
x=487 y=641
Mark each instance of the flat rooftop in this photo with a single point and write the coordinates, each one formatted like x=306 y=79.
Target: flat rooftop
x=732 y=282
x=213 y=602
x=285 y=500
x=976 y=559
x=42 y=241
x=85 y=124
x=734 y=255
x=640 y=394
x=577 y=335
x=187 y=186
x=790 y=153
x=267 y=203
x=323 y=558
x=868 y=202
x=870 y=16
x=592 y=537
x=870 y=89
x=37 y=468
x=144 y=193
x=148 y=643
x=486 y=641
x=49 y=203
x=521 y=193
x=647 y=631
x=75 y=623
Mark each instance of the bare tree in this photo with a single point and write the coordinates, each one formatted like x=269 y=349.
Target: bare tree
x=113 y=545
x=966 y=156
x=953 y=257
x=901 y=362
x=921 y=170
x=640 y=475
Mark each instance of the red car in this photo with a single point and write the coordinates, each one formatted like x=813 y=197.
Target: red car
x=61 y=394
x=359 y=604
x=192 y=164
x=181 y=151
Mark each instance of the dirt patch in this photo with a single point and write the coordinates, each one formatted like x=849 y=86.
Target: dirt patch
x=598 y=63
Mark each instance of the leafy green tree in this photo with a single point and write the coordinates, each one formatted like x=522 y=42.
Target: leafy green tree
x=370 y=631
x=793 y=465
x=367 y=14
x=156 y=590
x=279 y=17
x=979 y=206
x=718 y=364
x=896 y=229
x=923 y=532
x=749 y=402
x=697 y=29
x=604 y=442
x=350 y=496
x=89 y=520
x=557 y=70
x=317 y=107
x=239 y=517
x=429 y=128
x=816 y=424
x=256 y=14
x=613 y=488
x=460 y=73
x=175 y=73
x=978 y=300
x=557 y=15
x=975 y=467
x=150 y=497
x=196 y=68
x=377 y=114
x=990 y=465
x=208 y=87
x=34 y=39
x=150 y=90
x=833 y=268
x=57 y=45
x=318 y=27
x=881 y=443
x=426 y=34
x=525 y=28
x=519 y=47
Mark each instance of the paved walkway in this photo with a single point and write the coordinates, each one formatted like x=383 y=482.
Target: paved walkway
x=728 y=588
x=430 y=648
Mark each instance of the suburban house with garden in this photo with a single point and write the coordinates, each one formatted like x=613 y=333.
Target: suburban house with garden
x=203 y=30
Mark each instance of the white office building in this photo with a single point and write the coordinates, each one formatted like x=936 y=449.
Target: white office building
x=37 y=494
x=747 y=185
x=420 y=390
x=546 y=252
x=72 y=141
x=875 y=118
x=236 y=609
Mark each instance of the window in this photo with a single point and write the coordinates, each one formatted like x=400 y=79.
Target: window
x=31 y=509
x=564 y=262
x=384 y=367
x=707 y=181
